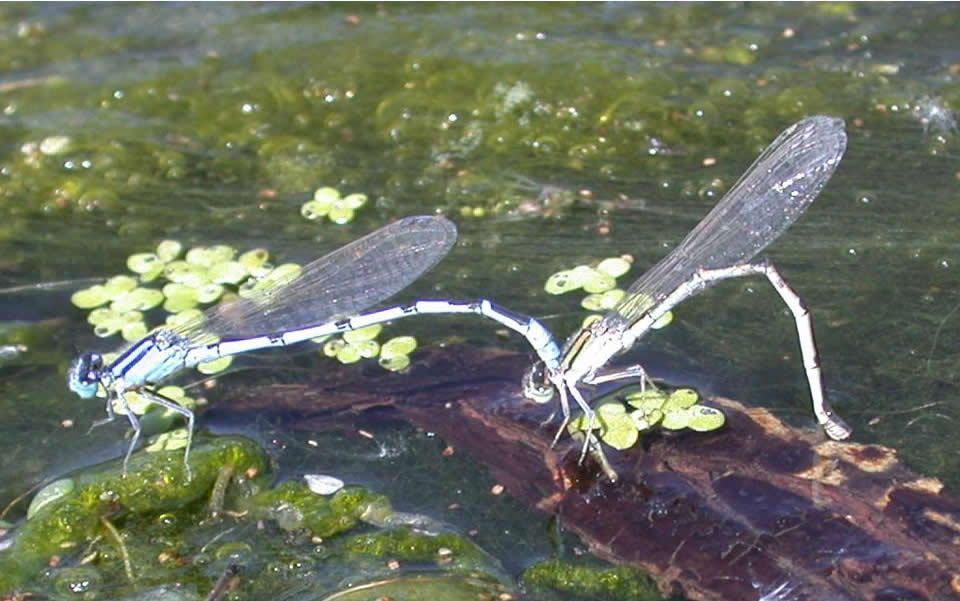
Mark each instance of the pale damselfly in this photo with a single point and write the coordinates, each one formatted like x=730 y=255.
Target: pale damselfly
x=319 y=302
x=760 y=206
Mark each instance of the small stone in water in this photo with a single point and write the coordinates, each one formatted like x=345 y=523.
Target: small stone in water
x=322 y=484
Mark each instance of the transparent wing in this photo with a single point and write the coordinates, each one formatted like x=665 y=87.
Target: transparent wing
x=346 y=281
x=779 y=186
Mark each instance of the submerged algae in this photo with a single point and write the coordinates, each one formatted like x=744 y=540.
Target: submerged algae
x=619 y=583
x=108 y=534
x=155 y=483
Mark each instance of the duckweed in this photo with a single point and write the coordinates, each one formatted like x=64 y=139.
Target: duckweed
x=561 y=282
x=360 y=344
x=109 y=327
x=255 y=261
x=705 y=419
x=140 y=404
x=349 y=353
x=183 y=272
x=315 y=209
x=137 y=403
x=220 y=253
x=398 y=346
x=598 y=282
x=327 y=202
x=199 y=256
x=215 y=366
x=91 y=297
x=152 y=273
x=675 y=420
x=119 y=285
x=167 y=441
x=100 y=315
x=125 y=303
x=394 y=362
x=206 y=257
x=603 y=301
x=144 y=299
x=182 y=318
x=644 y=420
x=178 y=395
x=133 y=331
x=227 y=272
x=143 y=262
x=647 y=400
x=363 y=334
x=278 y=276
x=201 y=277
x=614 y=266
x=619 y=421
x=368 y=349
x=332 y=348
x=340 y=213
x=168 y=250
x=208 y=292
x=355 y=200
x=617 y=428
x=180 y=297
x=682 y=398
x=326 y=194
x=590 y=319
x=663 y=322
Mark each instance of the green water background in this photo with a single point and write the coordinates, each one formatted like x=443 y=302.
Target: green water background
x=213 y=123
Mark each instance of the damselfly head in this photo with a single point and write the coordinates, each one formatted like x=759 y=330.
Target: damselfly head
x=84 y=375
x=536 y=384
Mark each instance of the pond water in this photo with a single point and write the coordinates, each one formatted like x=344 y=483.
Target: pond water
x=552 y=134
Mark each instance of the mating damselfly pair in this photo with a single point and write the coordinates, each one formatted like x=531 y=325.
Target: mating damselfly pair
x=331 y=292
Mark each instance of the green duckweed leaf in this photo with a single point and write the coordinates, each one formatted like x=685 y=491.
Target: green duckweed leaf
x=394 y=362
x=215 y=366
x=682 y=398
x=705 y=419
x=91 y=297
x=141 y=263
x=363 y=334
x=614 y=266
x=168 y=250
x=398 y=346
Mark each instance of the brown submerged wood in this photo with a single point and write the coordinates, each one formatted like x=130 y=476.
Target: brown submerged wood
x=758 y=510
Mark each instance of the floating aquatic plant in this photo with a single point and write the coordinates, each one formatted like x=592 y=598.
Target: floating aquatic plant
x=599 y=281
x=619 y=421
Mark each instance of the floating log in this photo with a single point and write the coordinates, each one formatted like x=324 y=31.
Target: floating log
x=756 y=510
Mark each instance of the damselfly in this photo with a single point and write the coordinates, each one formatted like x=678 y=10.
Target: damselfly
x=760 y=206
x=319 y=302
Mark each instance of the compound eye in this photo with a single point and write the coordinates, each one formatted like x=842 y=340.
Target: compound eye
x=90 y=366
x=84 y=375
x=536 y=385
